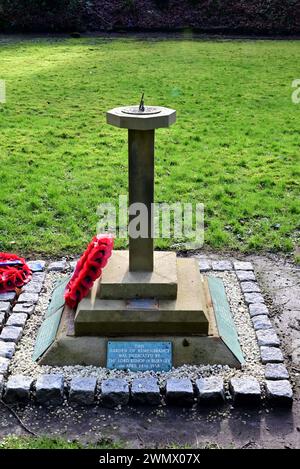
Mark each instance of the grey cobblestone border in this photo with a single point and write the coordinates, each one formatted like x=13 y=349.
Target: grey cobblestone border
x=54 y=389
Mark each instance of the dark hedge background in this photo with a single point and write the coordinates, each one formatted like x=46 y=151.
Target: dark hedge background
x=241 y=16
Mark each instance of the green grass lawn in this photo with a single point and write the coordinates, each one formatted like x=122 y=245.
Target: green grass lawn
x=44 y=442
x=235 y=146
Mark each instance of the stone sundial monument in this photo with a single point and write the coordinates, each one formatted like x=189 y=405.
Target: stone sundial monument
x=150 y=309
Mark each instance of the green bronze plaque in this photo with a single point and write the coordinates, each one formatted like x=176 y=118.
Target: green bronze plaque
x=57 y=300
x=48 y=329
x=225 y=323
x=46 y=334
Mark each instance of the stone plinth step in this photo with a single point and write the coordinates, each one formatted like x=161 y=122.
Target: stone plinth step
x=118 y=283
x=187 y=314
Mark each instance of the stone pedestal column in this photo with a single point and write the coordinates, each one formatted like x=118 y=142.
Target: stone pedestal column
x=141 y=190
x=141 y=127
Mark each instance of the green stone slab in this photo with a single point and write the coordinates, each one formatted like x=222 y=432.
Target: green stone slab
x=57 y=300
x=46 y=334
x=224 y=319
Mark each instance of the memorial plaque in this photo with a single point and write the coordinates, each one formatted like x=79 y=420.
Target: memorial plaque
x=139 y=355
x=48 y=329
x=57 y=300
x=46 y=334
x=225 y=322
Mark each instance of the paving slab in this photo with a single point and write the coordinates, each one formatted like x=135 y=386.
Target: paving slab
x=245 y=275
x=4 y=365
x=145 y=391
x=245 y=389
x=271 y=355
x=4 y=306
x=279 y=392
x=268 y=338
x=180 y=391
x=7 y=349
x=261 y=322
x=82 y=390
x=18 y=388
x=242 y=265
x=210 y=389
x=276 y=371
x=50 y=389
x=36 y=266
x=11 y=334
x=114 y=392
x=24 y=308
x=17 y=319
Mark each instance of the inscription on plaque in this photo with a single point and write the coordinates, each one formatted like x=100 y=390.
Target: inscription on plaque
x=139 y=355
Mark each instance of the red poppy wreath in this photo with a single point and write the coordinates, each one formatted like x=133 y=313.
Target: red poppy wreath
x=14 y=272
x=88 y=269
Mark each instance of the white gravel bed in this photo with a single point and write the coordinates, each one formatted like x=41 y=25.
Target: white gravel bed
x=22 y=362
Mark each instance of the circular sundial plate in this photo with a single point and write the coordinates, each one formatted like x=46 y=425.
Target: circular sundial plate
x=149 y=110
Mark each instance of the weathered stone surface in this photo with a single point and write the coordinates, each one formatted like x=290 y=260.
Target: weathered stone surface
x=49 y=389
x=11 y=334
x=261 y=322
x=279 y=392
x=33 y=287
x=1 y=385
x=4 y=364
x=17 y=319
x=276 y=371
x=26 y=308
x=271 y=355
x=27 y=297
x=82 y=390
x=245 y=275
x=221 y=265
x=4 y=306
x=245 y=389
x=258 y=309
x=253 y=298
x=114 y=392
x=117 y=282
x=267 y=337
x=250 y=287
x=7 y=349
x=39 y=277
x=2 y=320
x=36 y=266
x=241 y=265
x=18 y=388
x=180 y=391
x=58 y=266
x=210 y=389
x=145 y=391
x=7 y=296
x=204 y=265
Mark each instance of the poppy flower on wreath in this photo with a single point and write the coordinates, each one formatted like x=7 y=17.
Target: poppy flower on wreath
x=14 y=272
x=88 y=269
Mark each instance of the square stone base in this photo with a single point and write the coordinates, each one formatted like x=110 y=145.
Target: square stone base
x=118 y=283
x=68 y=349
x=186 y=314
